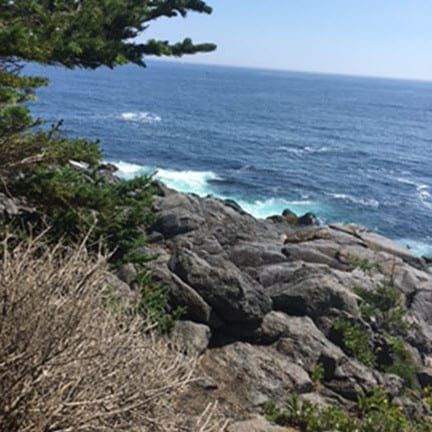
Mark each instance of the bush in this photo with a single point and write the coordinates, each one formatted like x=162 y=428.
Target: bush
x=317 y=374
x=373 y=413
x=365 y=265
x=354 y=340
x=401 y=361
x=74 y=203
x=384 y=307
x=67 y=362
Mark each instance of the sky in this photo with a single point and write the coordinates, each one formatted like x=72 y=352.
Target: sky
x=384 y=38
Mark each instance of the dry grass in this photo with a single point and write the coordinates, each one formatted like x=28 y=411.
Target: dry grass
x=67 y=364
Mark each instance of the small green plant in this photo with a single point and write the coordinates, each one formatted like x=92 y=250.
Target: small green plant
x=427 y=396
x=402 y=362
x=153 y=304
x=317 y=374
x=365 y=265
x=373 y=413
x=384 y=306
x=354 y=341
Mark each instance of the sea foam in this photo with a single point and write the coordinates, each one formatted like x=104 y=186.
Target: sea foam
x=365 y=202
x=417 y=247
x=183 y=181
x=304 y=150
x=200 y=183
x=424 y=195
x=275 y=206
x=140 y=117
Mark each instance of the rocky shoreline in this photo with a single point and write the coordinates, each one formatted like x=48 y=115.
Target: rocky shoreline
x=262 y=297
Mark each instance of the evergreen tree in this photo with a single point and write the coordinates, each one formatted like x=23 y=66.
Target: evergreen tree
x=78 y=33
x=34 y=160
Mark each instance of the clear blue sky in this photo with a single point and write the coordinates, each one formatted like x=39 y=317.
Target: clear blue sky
x=389 y=38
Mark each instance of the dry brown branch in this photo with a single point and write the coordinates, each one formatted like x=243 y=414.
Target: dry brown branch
x=68 y=364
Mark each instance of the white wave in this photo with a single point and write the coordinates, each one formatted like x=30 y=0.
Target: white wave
x=424 y=195
x=418 y=248
x=184 y=181
x=366 y=202
x=275 y=206
x=199 y=182
x=406 y=181
x=304 y=150
x=423 y=192
x=188 y=181
x=129 y=170
x=140 y=117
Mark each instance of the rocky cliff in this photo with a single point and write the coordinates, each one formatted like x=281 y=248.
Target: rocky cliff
x=284 y=306
x=271 y=306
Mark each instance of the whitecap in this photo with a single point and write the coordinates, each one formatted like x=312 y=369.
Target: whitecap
x=200 y=183
x=417 y=247
x=188 y=181
x=424 y=195
x=303 y=150
x=366 y=202
x=406 y=181
x=183 y=181
x=140 y=117
x=275 y=206
x=129 y=170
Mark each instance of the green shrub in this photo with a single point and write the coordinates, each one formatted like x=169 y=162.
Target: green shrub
x=384 y=306
x=354 y=341
x=402 y=362
x=364 y=264
x=373 y=413
x=317 y=374
x=153 y=303
x=73 y=203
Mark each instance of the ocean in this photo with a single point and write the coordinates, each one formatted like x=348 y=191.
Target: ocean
x=348 y=149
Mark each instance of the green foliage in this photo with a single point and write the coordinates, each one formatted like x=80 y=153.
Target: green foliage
x=402 y=362
x=383 y=309
x=374 y=413
x=355 y=341
x=73 y=203
x=90 y=33
x=317 y=374
x=384 y=306
x=153 y=304
x=365 y=265
x=87 y=34
x=427 y=396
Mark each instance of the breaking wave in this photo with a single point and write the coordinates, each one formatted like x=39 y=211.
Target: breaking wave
x=184 y=181
x=424 y=195
x=365 y=202
x=200 y=183
x=304 y=150
x=417 y=247
x=140 y=117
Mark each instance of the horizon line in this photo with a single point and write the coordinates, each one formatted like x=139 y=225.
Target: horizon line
x=299 y=71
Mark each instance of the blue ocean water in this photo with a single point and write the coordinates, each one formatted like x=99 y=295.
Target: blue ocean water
x=348 y=149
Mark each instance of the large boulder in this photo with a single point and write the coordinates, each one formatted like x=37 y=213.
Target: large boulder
x=304 y=343
x=313 y=292
x=234 y=296
x=248 y=375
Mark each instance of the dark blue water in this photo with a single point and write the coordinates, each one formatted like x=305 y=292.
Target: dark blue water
x=349 y=149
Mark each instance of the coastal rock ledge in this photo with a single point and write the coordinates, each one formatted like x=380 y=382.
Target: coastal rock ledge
x=262 y=298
